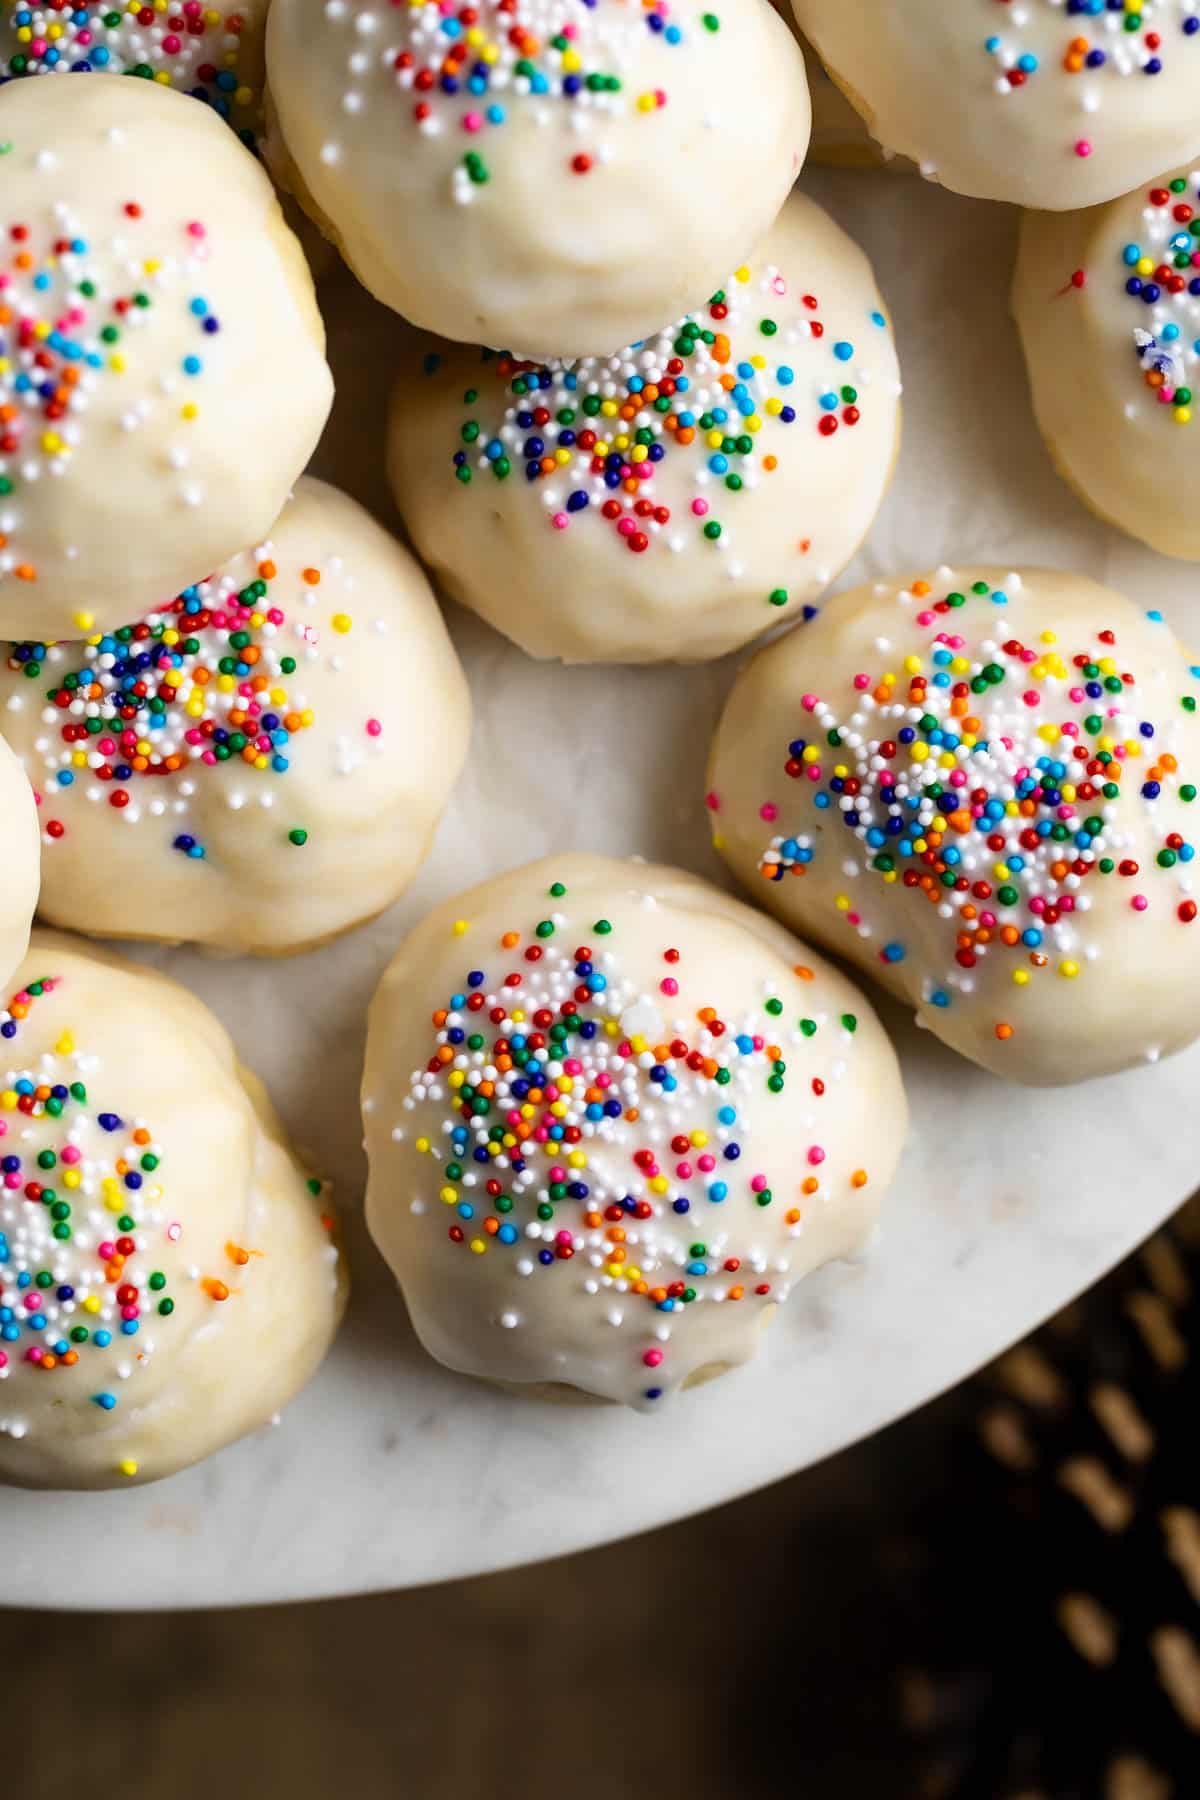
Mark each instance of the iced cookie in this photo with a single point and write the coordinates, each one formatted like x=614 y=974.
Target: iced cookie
x=213 y=53
x=981 y=788
x=672 y=502
x=19 y=856
x=168 y=1273
x=162 y=368
x=612 y=1118
x=1108 y=306
x=258 y=765
x=558 y=176
x=1041 y=102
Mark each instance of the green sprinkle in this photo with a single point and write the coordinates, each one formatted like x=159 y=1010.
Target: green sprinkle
x=298 y=836
x=777 y=597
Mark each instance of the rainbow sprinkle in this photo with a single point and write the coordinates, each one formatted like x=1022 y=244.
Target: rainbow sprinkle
x=81 y=1223
x=66 y=327
x=1161 y=271
x=991 y=787
x=583 y=1131
x=195 y=685
x=197 y=49
x=723 y=391
x=462 y=65
x=1107 y=37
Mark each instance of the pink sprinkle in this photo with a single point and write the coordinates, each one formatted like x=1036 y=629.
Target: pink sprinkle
x=374 y=728
x=758 y=1183
x=808 y=702
x=1139 y=903
x=924 y=618
x=563 y=1237
x=684 y=1171
x=472 y=121
x=712 y=803
x=107 y=1251
x=12 y=1180
x=1083 y=148
x=560 y=521
x=699 y=507
x=172 y=45
x=3 y=1360
x=196 y=229
x=706 y=1163
x=70 y=1153
x=652 y=1358
x=669 y=985
x=31 y=1302
x=1031 y=697
x=862 y=682
x=813 y=771
x=816 y=1156
x=768 y=811
x=573 y=1066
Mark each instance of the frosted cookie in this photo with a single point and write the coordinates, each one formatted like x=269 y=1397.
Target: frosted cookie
x=168 y=1274
x=258 y=765
x=1108 y=306
x=214 y=53
x=162 y=368
x=981 y=788
x=559 y=176
x=612 y=1118
x=674 y=501
x=1041 y=102
x=19 y=857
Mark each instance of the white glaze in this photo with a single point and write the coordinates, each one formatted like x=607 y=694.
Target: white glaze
x=567 y=584
x=178 y=444
x=221 y=1213
x=933 y=80
x=1103 y=968
x=702 y=1199
x=1104 y=364
x=19 y=860
x=540 y=257
x=366 y=779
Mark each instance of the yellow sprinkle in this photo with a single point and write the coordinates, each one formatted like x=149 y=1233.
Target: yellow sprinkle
x=448 y=1195
x=478 y=1246
x=85 y=621
x=1068 y=969
x=65 y=1045
x=342 y=622
x=461 y=927
x=742 y=274
x=128 y=1467
x=423 y=1145
x=1021 y=977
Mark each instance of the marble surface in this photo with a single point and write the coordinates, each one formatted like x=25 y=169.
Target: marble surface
x=390 y=1471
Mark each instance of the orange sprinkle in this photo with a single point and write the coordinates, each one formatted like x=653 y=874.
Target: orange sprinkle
x=216 y=1290
x=311 y=576
x=1004 y=1032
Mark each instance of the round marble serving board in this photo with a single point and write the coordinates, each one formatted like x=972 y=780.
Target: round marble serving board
x=391 y=1471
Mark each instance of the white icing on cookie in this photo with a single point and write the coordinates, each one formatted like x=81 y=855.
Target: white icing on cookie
x=162 y=371
x=19 y=859
x=612 y=1118
x=675 y=500
x=559 y=176
x=1048 y=103
x=981 y=787
x=168 y=1275
x=1108 y=306
x=259 y=766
